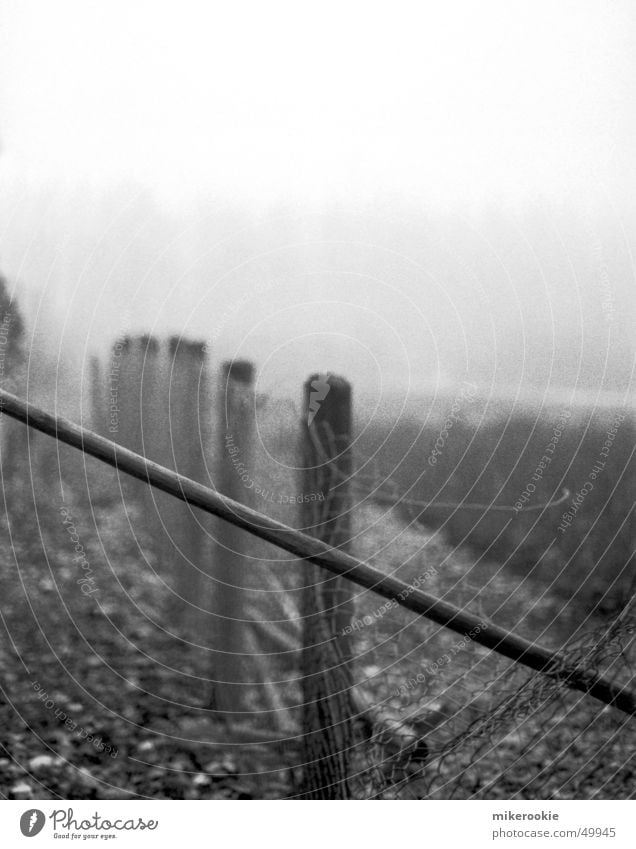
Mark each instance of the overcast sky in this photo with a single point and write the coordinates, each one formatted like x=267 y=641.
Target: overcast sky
x=371 y=164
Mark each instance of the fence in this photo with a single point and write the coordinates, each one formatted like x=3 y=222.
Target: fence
x=391 y=754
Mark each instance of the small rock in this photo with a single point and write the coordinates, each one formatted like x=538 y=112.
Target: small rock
x=225 y=766
x=41 y=762
x=86 y=777
x=21 y=790
x=371 y=671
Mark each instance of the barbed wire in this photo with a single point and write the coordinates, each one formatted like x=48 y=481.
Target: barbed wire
x=462 y=756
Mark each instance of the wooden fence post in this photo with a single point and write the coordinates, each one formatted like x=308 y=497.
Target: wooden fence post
x=125 y=392
x=155 y=436
x=124 y=399
x=98 y=403
x=14 y=446
x=328 y=706
x=187 y=406
x=236 y=465
x=257 y=634
x=555 y=665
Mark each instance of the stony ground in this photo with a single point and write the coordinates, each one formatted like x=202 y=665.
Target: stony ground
x=99 y=699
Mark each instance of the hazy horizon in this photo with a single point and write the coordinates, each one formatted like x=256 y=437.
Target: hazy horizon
x=418 y=206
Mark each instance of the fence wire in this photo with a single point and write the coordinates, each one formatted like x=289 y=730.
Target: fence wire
x=444 y=718
x=515 y=735
x=434 y=715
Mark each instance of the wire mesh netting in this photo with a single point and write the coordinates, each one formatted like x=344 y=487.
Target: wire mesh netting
x=441 y=716
x=425 y=712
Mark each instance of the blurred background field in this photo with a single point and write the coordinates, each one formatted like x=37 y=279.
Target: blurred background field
x=129 y=669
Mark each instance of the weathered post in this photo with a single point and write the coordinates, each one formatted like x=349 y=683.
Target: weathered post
x=327 y=599
x=125 y=392
x=155 y=436
x=187 y=408
x=98 y=406
x=124 y=405
x=257 y=635
x=14 y=446
x=236 y=457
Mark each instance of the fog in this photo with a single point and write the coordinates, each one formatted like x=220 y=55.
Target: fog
x=340 y=190
x=341 y=296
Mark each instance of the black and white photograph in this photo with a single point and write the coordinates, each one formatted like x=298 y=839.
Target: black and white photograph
x=317 y=420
